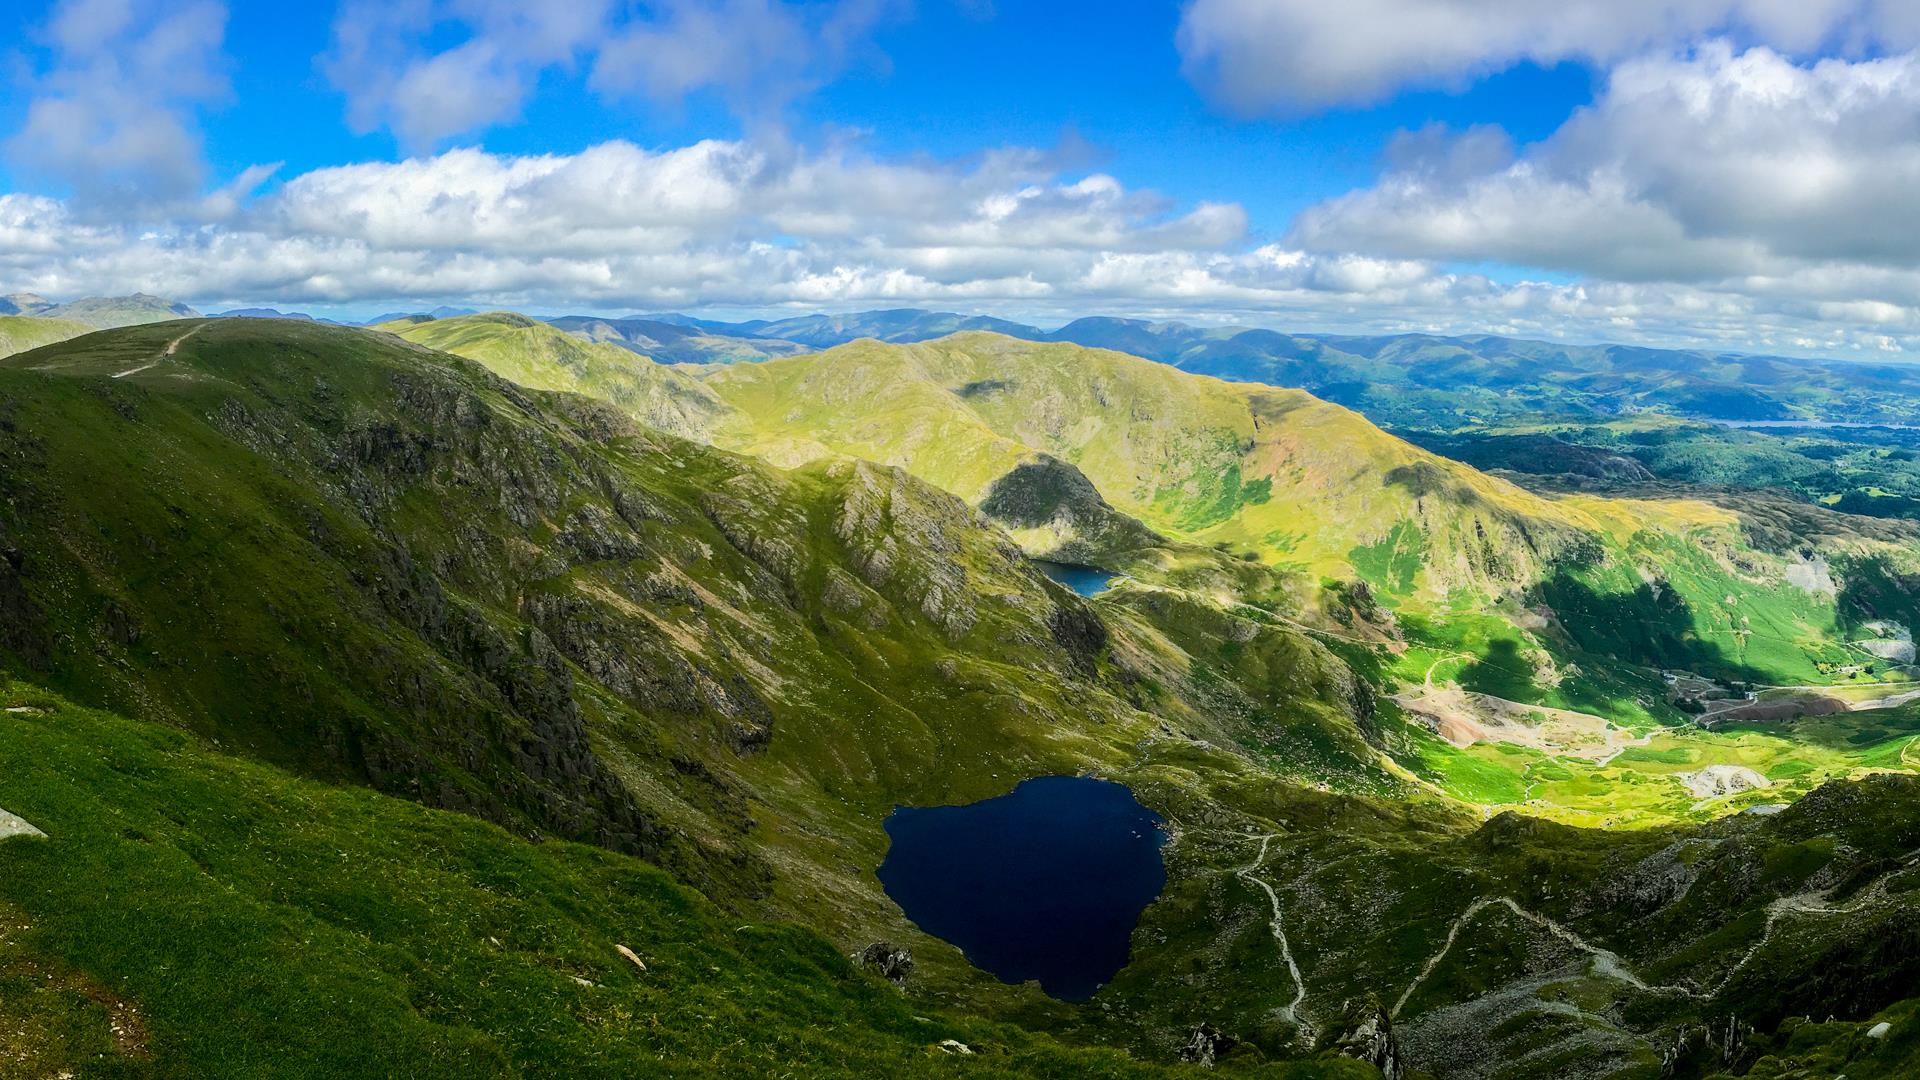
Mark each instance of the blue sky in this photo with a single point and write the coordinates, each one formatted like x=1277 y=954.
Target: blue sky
x=1700 y=171
x=950 y=81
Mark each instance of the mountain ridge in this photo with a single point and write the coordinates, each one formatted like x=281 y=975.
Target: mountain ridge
x=349 y=556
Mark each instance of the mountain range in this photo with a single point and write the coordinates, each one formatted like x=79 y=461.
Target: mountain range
x=1589 y=779
x=1411 y=381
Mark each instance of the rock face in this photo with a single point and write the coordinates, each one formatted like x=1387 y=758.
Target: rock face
x=1061 y=515
x=887 y=960
x=1716 y=780
x=1900 y=652
x=1206 y=1045
x=1372 y=1040
x=1812 y=575
x=1891 y=641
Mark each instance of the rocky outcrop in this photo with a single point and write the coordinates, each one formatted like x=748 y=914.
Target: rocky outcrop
x=1206 y=1045
x=1057 y=513
x=902 y=537
x=1717 y=780
x=1369 y=1037
x=1079 y=631
x=887 y=960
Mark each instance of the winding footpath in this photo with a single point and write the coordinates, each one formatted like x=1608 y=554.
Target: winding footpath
x=1609 y=964
x=172 y=347
x=1290 y=1012
x=1605 y=961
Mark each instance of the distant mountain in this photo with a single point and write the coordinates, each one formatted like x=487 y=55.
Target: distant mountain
x=436 y=313
x=1431 y=382
x=267 y=313
x=676 y=342
x=897 y=325
x=1162 y=341
x=1434 y=382
x=104 y=312
x=717 y=326
x=23 y=304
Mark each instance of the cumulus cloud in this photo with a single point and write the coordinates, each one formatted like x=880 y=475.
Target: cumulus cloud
x=1262 y=55
x=392 y=80
x=111 y=111
x=392 y=59
x=758 y=54
x=1718 y=167
x=713 y=222
x=728 y=223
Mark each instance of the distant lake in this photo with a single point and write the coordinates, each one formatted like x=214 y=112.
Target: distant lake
x=1766 y=424
x=1085 y=580
x=1046 y=882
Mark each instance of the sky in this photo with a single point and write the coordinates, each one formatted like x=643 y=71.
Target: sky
x=1738 y=174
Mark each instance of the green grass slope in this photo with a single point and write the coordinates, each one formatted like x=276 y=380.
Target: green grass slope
x=340 y=555
x=18 y=333
x=1277 y=472
x=1567 y=600
x=1304 y=485
x=362 y=560
x=189 y=914
x=537 y=355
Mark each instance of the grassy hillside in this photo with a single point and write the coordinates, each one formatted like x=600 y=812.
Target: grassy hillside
x=1568 y=601
x=1278 y=473
x=18 y=333
x=190 y=914
x=524 y=606
x=1300 y=483
x=333 y=554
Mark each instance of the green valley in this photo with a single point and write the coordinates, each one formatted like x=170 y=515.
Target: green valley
x=290 y=606
x=1563 y=599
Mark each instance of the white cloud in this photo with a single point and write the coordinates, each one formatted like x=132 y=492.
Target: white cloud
x=759 y=54
x=110 y=114
x=1737 y=170
x=391 y=80
x=619 y=228
x=388 y=58
x=1261 y=55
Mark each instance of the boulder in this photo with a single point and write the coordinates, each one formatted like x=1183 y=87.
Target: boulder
x=1716 y=780
x=887 y=960
x=10 y=825
x=1206 y=1045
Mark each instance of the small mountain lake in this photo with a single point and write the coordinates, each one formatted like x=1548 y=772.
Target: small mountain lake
x=1046 y=882
x=1085 y=580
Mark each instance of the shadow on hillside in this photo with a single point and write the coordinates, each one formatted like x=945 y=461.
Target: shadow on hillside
x=1423 y=478
x=1872 y=589
x=1502 y=672
x=1652 y=627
